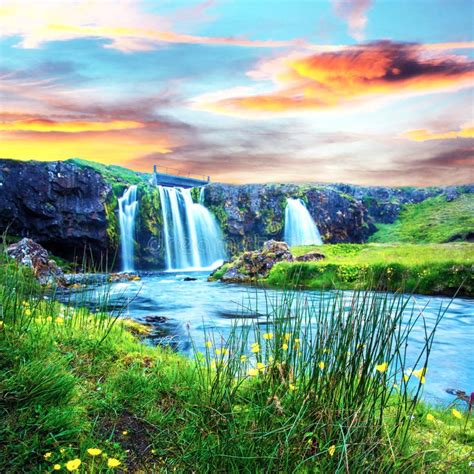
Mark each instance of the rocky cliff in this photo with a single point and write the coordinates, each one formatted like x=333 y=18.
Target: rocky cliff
x=71 y=206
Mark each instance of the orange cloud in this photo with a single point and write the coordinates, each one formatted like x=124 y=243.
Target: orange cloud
x=423 y=135
x=44 y=125
x=340 y=78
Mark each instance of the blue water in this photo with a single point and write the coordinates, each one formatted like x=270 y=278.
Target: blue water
x=191 y=307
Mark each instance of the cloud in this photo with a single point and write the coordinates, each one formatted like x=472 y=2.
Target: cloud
x=124 y=24
x=457 y=157
x=423 y=135
x=348 y=76
x=354 y=12
x=46 y=125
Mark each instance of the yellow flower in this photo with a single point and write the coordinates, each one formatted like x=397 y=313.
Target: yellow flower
x=456 y=413
x=1 y=325
x=62 y=450
x=406 y=378
x=57 y=467
x=49 y=319
x=430 y=417
x=332 y=450
x=260 y=366
x=112 y=462
x=225 y=351
x=284 y=346
x=73 y=465
x=252 y=372
x=419 y=374
x=208 y=344
x=48 y=455
x=125 y=433
x=382 y=367
x=59 y=320
x=321 y=365
x=94 y=451
x=287 y=336
x=255 y=347
x=422 y=380
x=292 y=387
x=267 y=336
x=27 y=312
x=270 y=359
x=243 y=358
x=218 y=352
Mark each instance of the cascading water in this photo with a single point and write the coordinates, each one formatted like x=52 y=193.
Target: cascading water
x=127 y=205
x=300 y=228
x=193 y=238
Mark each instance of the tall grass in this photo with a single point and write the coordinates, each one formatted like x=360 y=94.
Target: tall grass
x=325 y=381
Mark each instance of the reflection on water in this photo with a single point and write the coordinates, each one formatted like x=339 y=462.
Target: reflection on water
x=191 y=307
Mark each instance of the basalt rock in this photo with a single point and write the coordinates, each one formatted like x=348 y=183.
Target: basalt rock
x=29 y=253
x=59 y=205
x=310 y=257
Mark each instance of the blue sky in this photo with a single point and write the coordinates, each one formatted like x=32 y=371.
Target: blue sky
x=368 y=92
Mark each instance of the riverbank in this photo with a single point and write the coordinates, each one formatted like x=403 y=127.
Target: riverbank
x=431 y=269
x=74 y=383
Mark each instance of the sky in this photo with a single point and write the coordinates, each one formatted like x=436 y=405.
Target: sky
x=363 y=91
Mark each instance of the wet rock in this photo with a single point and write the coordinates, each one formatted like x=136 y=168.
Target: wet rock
x=310 y=257
x=121 y=277
x=31 y=254
x=189 y=279
x=250 y=266
x=156 y=319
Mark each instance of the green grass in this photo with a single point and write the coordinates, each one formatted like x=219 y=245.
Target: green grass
x=71 y=380
x=434 y=220
x=427 y=269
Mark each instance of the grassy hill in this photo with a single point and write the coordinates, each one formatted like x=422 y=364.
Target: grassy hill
x=434 y=220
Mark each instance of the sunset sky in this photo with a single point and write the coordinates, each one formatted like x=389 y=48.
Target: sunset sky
x=366 y=92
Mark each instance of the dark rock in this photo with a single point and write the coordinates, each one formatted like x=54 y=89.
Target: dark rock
x=58 y=204
x=156 y=319
x=310 y=257
x=29 y=253
x=189 y=279
x=257 y=264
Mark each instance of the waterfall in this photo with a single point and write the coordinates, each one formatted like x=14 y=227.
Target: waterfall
x=127 y=211
x=300 y=228
x=193 y=238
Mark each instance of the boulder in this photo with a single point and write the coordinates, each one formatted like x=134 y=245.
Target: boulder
x=250 y=266
x=27 y=252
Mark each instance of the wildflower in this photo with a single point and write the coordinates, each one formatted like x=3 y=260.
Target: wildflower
x=382 y=367
x=59 y=320
x=243 y=358
x=48 y=455
x=321 y=365
x=73 y=465
x=284 y=346
x=430 y=417
x=2 y=325
x=57 y=467
x=268 y=336
x=260 y=366
x=252 y=372
x=27 y=312
x=406 y=378
x=419 y=373
x=112 y=462
x=125 y=432
x=332 y=450
x=94 y=451
x=292 y=387
x=62 y=450
x=287 y=336
x=49 y=319
x=456 y=413
x=270 y=359
x=218 y=352
x=255 y=347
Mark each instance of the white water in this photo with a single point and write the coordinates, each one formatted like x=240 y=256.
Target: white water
x=300 y=229
x=127 y=205
x=193 y=238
